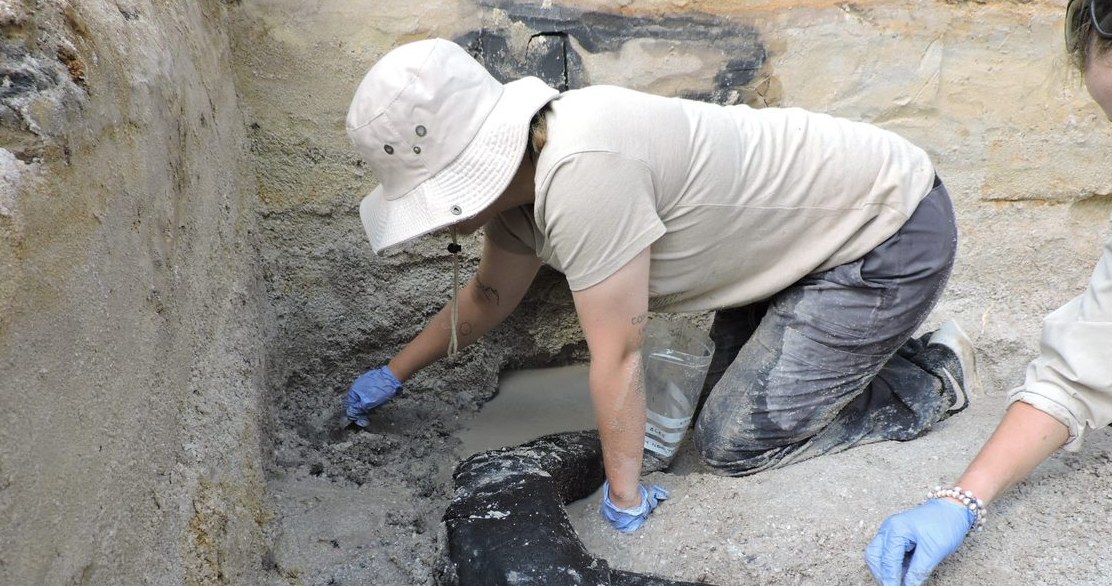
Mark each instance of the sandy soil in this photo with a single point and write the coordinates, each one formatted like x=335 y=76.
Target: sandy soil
x=367 y=509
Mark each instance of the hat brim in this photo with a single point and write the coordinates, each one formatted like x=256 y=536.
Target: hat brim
x=469 y=183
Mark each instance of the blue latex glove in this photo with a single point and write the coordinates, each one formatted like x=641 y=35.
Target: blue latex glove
x=910 y=544
x=370 y=390
x=630 y=520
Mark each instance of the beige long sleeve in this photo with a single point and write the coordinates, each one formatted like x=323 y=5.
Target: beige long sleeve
x=1071 y=379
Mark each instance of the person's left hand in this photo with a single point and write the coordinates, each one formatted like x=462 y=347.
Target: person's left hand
x=909 y=545
x=630 y=520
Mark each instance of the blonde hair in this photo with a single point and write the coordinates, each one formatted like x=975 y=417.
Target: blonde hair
x=1086 y=41
x=538 y=131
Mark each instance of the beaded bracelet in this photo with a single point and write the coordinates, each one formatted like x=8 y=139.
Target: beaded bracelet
x=974 y=504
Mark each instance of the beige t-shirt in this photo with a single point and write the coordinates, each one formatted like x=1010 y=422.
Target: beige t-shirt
x=736 y=203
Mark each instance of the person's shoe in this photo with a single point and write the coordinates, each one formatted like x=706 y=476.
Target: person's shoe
x=965 y=380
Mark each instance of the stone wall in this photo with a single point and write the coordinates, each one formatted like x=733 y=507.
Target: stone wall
x=131 y=323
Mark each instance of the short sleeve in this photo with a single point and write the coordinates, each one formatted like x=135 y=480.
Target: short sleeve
x=514 y=231
x=597 y=211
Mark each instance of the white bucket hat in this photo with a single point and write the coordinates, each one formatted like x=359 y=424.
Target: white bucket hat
x=441 y=134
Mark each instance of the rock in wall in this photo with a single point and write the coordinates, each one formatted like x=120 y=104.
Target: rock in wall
x=131 y=329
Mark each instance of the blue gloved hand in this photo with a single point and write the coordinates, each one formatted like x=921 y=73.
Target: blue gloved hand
x=370 y=390
x=910 y=544
x=630 y=520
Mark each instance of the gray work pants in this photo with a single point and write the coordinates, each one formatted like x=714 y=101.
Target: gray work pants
x=829 y=363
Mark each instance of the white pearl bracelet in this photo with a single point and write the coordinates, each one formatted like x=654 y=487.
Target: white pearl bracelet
x=971 y=502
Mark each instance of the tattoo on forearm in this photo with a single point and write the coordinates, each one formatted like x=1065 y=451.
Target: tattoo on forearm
x=465 y=328
x=642 y=322
x=489 y=294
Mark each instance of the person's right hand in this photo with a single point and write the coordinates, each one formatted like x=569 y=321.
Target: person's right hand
x=910 y=544
x=370 y=390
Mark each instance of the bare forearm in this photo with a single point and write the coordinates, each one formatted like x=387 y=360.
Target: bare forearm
x=614 y=314
x=1024 y=438
x=480 y=310
x=429 y=346
x=619 y=399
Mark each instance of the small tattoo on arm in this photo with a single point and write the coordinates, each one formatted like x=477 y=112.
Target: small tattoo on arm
x=489 y=294
x=642 y=323
x=465 y=328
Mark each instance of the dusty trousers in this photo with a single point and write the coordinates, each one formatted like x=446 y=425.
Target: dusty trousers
x=829 y=363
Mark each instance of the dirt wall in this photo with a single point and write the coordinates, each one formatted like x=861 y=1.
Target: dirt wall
x=131 y=321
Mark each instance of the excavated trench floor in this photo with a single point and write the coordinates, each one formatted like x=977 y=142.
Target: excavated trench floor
x=529 y=404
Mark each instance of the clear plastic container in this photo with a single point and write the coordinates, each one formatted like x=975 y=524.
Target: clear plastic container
x=676 y=355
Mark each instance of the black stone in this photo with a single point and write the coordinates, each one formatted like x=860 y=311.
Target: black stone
x=507 y=523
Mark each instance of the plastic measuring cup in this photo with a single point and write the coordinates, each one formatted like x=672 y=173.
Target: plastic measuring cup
x=675 y=355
